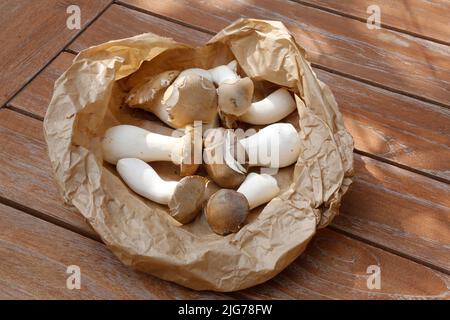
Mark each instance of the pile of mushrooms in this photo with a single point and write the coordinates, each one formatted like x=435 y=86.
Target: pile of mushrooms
x=225 y=191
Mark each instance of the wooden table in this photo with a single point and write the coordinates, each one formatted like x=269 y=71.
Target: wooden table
x=392 y=85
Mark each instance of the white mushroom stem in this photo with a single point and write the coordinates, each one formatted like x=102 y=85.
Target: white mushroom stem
x=224 y=73
x=232 y=65
x=259 y=189
x=142 y=179
x=274 y=146
x=125 y=141
x=276 y=106
x=198 y=71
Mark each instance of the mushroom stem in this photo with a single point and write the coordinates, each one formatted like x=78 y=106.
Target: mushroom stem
x=232 y=65
x=276 y=106
x=259 y=189
x=142 y=179
x=185 y=198
x=223 y=73
x=126 y=141
x=274 y=146
x=197 y=71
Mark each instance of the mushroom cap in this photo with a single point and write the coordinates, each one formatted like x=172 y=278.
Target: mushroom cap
x=190 y=141
x=235 y=97
x=226 y=211
x=224 y=176
x=187 y=200
x=145 y=95
x=224 y=158
x=190 y=98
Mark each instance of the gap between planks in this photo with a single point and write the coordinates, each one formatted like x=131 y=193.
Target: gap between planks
x=385 y=26
x=56 y=56
x=387 y=249
x=401 y=166
x=40 y=215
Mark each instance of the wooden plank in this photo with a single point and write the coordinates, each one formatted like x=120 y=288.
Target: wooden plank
x=119 y=22
x=398 y=209
x=335 y=267
x=32 y=33
x=389 y=125
x=35 y=97
x=403 y=63
x=35 y=255
x=26 y=176
x=392 y=207
x=421 y=17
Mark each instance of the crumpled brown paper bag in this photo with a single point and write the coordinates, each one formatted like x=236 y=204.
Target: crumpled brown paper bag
x=88 y=99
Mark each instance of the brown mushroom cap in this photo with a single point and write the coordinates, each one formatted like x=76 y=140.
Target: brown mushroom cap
x=227 y=172
x=226 y=211
x=190 y=98
x=235 y=98
x=187 y=200
x=147 y=94
x=191 y=140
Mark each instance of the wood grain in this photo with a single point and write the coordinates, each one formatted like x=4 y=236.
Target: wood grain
x=32 y=33
x=119 y=22
x=26 y=176
x=392 y=207
x=35 y=97
x=421 y=17
x=335 y=267
x=400 y=210
x=391 y=59
x=35 y=254
x=389 y=125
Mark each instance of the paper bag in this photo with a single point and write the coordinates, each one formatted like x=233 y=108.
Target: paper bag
x=89 y=98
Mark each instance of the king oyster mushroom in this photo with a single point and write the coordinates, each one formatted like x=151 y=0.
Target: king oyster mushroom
x=126 y=141
x=224 y=157
x=234 y=93
x=227 y=209
x=185 y=198
x=177 y=99
x=147 y=95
